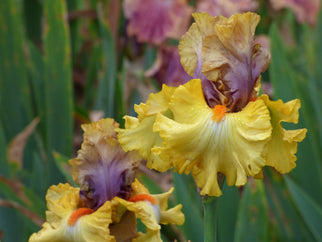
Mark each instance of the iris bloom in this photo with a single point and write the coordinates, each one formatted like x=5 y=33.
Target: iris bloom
x=153 y=21
x=108 y=193
x=216 y=123
x=304 y=10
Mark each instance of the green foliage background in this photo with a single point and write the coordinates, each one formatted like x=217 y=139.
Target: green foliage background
x=43 y=51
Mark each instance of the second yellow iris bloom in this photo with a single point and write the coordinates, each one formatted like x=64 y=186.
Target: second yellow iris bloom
x=216 y=123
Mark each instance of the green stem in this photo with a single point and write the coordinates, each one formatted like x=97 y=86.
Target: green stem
x=210 y=219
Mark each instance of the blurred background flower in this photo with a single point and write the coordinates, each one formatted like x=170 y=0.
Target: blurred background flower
x=226 y=8
x=153 y=21
x=305 y=10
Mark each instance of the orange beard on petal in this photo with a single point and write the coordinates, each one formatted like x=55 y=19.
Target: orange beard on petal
x=219 y=112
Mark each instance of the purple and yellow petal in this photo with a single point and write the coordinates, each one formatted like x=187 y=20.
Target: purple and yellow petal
x=232 y=60
x=223 y=54
x=281 y=149
x=102 y=168
x=190 y=46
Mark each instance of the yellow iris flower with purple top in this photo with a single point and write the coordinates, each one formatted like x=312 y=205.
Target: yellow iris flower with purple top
x=109 y=197
x=217 y=122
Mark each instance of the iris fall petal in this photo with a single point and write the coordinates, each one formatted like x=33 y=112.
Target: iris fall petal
x=282 y=147
x=138 y=133
x=198 y=144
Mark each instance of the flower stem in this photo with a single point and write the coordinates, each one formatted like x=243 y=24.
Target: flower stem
x=210 y=219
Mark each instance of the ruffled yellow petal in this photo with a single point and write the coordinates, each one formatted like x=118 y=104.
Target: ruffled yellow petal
x=172 y=215
x=199 y=144
x=138 y=133
x=156 y=103
x=140 y=136
x=281 y=149
x=62 y=201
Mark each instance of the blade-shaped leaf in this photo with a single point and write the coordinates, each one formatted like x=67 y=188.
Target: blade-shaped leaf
x=58 y=83
x=252 y=220
x=285 y=222
x=62 y=164
x=14 y=89
x=310 y=211
x=106 y=89
x=227 y=210
x=3 y=154
x=186 y=193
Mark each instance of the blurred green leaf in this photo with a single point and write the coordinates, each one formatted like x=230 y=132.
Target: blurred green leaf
x=10 y=223
x=58 y=83
x=75 y=26
x=252 y=220
x=227 y=210
x=3 y=154
x=14 y=89
x=285 y=222
x=289 y=83
x=32 y=18
x=151 y=185
x=92 y=76
x=310 y=211
x=186 y=193
x=62 y=163
x=311 y=45
x=39 y=173
x=36 y=68
x=106 y=89
x=120 y=105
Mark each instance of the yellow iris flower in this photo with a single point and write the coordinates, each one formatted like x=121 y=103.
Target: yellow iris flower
x=216 y=123
x=109 y=198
